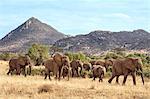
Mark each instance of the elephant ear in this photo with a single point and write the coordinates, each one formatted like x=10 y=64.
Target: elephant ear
x=132 y=63
x=58 y=57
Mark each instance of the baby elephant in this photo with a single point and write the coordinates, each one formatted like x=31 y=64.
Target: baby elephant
x=65 y=71
x=98 y=71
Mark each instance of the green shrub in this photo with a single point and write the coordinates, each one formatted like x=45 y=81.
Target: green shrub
x=37 y=71
x=38 y=53
x=112 y=55
x=77 y=56
x=7 y=56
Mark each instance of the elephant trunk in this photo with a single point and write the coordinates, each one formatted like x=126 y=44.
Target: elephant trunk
x=142 y=76
x=62 y=69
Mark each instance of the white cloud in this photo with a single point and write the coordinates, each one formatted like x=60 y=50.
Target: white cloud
x=121 y=15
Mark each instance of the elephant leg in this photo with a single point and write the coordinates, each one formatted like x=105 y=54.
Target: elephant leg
x=80 y=72
x=56 y=76
x=77 y=72
x=18 y=70
x=125 y=78
x=49 y=75
x=29 y=70
x=100 y=78
x=9 y=71
x=59 y=74
x=68 y=74
x=94 y=78
x=12 y=70
x=24 y=71
x=112 y=77
x=45 y=75
x=117 y=79
x=72 y=72
x=133 y=77
x=46 y=71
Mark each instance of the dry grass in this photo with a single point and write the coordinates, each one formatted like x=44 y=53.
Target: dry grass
x=19 y=87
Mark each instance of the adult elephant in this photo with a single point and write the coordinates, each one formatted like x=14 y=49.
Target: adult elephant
x=75 y=65
x=18 y=64
x=125 y=67
x=52 y=66
x=61 y=60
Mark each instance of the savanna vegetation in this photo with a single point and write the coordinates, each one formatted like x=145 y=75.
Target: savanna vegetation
x=35 y=86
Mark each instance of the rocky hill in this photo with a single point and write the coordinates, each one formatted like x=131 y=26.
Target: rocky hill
x=31 y=31
x=97 y=41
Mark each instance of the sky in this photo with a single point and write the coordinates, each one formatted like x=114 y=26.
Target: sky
x=74 y=17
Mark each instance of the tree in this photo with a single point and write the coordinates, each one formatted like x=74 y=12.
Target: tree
x=38 y=53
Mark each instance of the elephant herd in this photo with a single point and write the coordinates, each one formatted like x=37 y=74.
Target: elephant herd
x=60 y=65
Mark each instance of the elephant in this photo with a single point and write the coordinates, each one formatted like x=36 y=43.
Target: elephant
x=98 y=71
x=125 y=67
x=65 y=71
x=55 y=65
x=75 y=65
x=50 y=66
x=86 y=66
x=18 y=64
x=61 y=60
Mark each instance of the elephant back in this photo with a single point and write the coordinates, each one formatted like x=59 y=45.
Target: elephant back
x=49 y=64
x=21 y=60
x=98 y=69
x=76 y=64
x=102 y=63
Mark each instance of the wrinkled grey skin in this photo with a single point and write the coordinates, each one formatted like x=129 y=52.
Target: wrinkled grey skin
x=125 y=67
x=18 y=64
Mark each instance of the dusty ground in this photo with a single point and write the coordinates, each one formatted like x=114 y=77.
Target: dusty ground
x=20 y=87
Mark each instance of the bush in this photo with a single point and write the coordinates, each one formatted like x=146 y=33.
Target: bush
x=37 y=71
x=77 y=56
x=112 y=55
x=7 y=56
x=38 y=53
